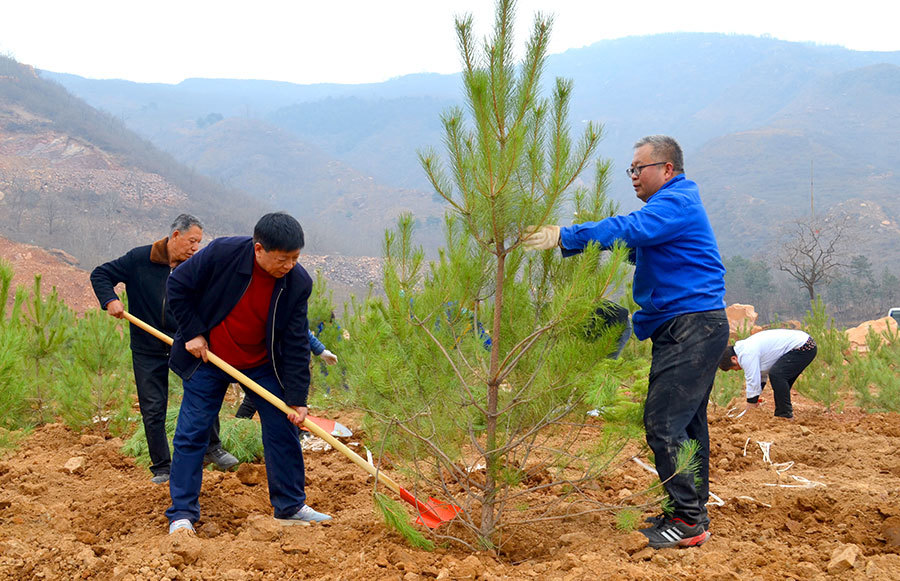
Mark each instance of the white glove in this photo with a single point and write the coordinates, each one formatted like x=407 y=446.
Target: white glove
x=543 y=238
x=328 y=357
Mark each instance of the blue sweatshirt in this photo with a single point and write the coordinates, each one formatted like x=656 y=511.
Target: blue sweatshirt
x=678 y=269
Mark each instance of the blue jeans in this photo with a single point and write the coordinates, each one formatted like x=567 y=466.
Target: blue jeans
x=151 y=376
x=686 y=352
x=203 y=395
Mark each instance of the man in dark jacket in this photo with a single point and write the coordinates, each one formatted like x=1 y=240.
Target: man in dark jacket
x=679 y=283
x=144 y=270
x=244 y=299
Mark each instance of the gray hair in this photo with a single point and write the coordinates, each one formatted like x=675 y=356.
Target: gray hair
x=665 y=148
x=185 y=222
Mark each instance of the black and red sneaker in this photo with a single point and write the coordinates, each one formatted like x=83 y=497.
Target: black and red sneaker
x=655 y=520
x=674 y=532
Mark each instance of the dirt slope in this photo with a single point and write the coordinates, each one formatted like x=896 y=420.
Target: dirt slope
x=101 y=518
x=346 y=275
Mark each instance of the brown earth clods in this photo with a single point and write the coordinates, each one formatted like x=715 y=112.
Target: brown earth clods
x=72 y=506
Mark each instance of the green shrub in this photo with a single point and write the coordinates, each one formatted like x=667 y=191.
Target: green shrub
x=728 y=386
x=874 y=375
x=241 y=437
x=825 y=380
x=14 y=383
x=48 y=321
x=97 y=382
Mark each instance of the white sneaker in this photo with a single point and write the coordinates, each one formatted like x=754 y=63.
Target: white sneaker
x=181 y=524
x=304 y=516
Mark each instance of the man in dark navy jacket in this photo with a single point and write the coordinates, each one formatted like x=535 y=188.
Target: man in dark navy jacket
x=144 y=270
x=244 y=299
x=679 y=283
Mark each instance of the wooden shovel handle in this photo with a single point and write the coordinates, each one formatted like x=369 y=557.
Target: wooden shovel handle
x=278 y=403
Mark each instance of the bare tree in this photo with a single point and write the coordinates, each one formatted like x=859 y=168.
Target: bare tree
x=22 y=201
x=814 y=250
x=53 y=211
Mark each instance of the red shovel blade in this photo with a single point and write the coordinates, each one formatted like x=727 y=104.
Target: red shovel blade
x=438 y=513
x=433 y=513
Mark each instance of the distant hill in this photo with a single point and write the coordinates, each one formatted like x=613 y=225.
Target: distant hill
x=751 y=114
x=329 y=198
x=836 y=133
x=77 y=179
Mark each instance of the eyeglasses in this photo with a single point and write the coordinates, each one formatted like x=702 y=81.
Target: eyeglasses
x=635 y=172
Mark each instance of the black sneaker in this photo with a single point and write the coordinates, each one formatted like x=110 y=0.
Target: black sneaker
x=221 y=458
x=674 y=532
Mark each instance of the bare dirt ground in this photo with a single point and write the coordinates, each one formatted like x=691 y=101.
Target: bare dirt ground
x=72 y=506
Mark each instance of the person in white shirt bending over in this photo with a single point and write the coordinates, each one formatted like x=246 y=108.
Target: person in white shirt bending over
x=782 y=353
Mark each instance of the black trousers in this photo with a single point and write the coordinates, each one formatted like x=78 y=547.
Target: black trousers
x=247 y=409
x=686 y=352
x=785 y=372
x=151 y=376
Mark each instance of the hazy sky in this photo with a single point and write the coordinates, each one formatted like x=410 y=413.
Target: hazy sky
x=355 y=41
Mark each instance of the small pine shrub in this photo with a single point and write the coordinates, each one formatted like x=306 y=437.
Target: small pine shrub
x=874 y=376
x=14 y=385
x=728 y=386
x=824 y=380
x=96 y=384
x=48 y=321
x=242 y=437
x=628 y=519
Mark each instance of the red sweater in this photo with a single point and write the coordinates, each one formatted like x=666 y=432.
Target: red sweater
x=241 y=338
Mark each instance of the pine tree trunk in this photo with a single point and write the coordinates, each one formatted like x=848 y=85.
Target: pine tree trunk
x=492 y=458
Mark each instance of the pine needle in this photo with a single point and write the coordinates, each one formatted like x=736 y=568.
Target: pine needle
x=627 y=519
x=395 y=517
x=688 y=460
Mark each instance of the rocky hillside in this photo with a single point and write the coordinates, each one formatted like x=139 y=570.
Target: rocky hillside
x=77 y=179
x=59 y=269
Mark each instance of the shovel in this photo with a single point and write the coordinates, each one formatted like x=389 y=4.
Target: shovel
x=431 y=514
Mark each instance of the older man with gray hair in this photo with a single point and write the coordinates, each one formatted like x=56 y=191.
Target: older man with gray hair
x=144 y=271
x=679 y=283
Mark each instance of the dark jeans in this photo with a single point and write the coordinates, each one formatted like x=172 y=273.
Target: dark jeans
x=203 y=395
x=783 y=375
x=686 y=352
x=151 y=376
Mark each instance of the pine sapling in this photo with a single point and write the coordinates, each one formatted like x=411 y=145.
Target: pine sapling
x=49 y=322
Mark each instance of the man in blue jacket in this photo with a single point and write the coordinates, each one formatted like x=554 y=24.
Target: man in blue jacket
x=244 y=299
x=679 y=283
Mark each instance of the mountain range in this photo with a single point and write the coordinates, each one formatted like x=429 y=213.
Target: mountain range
x=772 y=130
